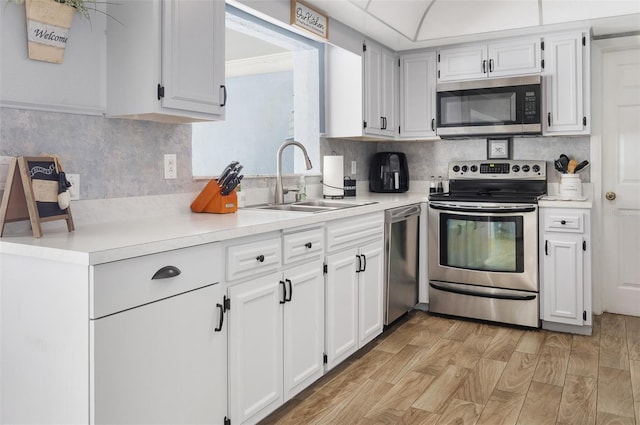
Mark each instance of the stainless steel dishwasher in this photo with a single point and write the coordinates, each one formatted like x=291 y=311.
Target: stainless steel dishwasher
x=401 y=261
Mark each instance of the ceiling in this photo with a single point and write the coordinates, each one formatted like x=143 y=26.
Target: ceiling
x=411 y=24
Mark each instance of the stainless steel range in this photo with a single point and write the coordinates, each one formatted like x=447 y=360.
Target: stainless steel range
x=483 y=241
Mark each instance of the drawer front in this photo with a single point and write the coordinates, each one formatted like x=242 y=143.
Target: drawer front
x=300 y=246
x=564 y=221
x=354 y=231
x=125 y=284
x=251 y=259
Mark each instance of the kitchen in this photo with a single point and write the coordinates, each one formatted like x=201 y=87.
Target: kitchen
x=99 y=148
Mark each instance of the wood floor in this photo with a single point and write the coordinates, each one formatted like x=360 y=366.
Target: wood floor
x=433 y=370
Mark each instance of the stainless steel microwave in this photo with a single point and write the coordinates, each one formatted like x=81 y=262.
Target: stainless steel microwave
x=501 y=106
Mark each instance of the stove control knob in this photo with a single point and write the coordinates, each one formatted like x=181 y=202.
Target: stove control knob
x=515 y=168
x=536 y=168
x=525 y=168
x=465 y=168
x=474 y=168
x=456 y=168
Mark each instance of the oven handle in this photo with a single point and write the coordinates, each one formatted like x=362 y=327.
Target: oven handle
x=497 y=295
x=480 y=210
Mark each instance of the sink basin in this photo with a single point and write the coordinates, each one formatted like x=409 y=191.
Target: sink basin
x=312 y=206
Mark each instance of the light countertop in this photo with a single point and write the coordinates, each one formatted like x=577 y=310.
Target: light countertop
x=92 y=244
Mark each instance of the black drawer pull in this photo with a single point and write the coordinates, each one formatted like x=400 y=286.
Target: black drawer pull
x=308 y=245
x=290 y=290
x=166 y=272
x=563 y=222
x=221 y=307
x=260 y=258
x=284 y=292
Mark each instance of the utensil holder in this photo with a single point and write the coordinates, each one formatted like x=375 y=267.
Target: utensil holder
x=210 y=200
x=570 y=186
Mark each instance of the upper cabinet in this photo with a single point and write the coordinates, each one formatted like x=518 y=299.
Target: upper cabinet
x=567 y=82
x=418 y=95
x=380 y=92
x=496 y=59
x=166 y=60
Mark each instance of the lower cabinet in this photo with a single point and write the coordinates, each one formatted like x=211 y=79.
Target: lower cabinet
x=163 y=362
x=276 y=342
x=354 y=287
x=565 y=268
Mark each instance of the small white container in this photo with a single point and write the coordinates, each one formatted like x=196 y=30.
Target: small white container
x=570 y=186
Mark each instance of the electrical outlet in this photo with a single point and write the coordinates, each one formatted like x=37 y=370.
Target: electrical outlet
x=74 y=190
x=170 y=166
x=353 y=167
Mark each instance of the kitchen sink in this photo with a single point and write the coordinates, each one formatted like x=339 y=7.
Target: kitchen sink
x=312 y=206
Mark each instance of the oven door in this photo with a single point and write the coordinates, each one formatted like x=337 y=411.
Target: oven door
x=491 y=245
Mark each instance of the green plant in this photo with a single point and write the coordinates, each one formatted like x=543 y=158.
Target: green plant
x=81 y=6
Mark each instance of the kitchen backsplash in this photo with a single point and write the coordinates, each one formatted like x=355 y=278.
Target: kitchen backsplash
x=119 y=158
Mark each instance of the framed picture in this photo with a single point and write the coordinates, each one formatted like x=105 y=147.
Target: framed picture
x=499 y=148
x=312 y=20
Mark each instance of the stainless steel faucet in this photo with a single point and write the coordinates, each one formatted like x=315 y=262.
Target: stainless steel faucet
x=280 y=191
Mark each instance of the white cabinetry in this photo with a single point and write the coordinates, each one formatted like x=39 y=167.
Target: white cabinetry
x=418 y=95
x=380 y=93
x=566 y=81
x=565 y=264
x=496 y=59
x=276 y=323
x=166 y=60
x=354 y=285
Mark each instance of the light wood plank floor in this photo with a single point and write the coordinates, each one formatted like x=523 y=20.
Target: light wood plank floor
x=434 y=370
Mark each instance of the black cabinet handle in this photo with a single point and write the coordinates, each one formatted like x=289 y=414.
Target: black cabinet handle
x=546 y=247
x=384 y=123
x=288 y=299
x=490 y=65
x=221 y=307
x=549 y=119
x=563 y=222
x=224 y=95
x=260 y=258
x=359 y=268
x=484 y=66
x=284 y=293
x=166 y=272
x=308 y=245
x=364 y=261
x=433 y=124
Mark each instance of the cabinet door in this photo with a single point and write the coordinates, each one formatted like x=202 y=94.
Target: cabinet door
x=341 y=310
x=303 y=327
x=193 y=55
x=563 y=78
x=161 y=362
x=463 y=63
x=562 y=285
x=255 y=348
x=371 y=292
x=418 y=95
x=515 y=57
x=380 y=77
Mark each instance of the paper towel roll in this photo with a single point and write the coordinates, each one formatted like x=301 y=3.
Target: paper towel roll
x=333 y=176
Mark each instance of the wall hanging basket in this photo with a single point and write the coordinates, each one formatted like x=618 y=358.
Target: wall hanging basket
x=48 y=24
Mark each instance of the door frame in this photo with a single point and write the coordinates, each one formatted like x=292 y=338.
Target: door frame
x=598 y=48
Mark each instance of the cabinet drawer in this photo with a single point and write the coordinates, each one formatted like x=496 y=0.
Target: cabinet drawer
x=250 y=259
x=564 y=221
x=305 y=245
x=353 y=231
x=121 y=285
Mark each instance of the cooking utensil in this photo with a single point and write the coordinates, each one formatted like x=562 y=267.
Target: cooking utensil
x=225 y=173
x=231 y=185
x=584 y=164
x=571 y=167
x=558 y=165
x=564 y=161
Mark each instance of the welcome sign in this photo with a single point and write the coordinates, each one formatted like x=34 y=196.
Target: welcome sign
x=48 y=24
x=307 y=18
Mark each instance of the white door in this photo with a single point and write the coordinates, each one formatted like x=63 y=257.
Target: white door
x=371 y=292
x=161 y=362
x=341 y=307
x=255 y=348
x=303 y=327
x=621 y=179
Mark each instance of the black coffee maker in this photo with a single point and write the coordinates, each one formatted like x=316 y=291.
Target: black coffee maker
x=388 y=173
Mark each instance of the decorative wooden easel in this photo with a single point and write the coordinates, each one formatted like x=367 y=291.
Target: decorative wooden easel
x=31 y=194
